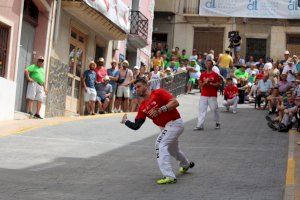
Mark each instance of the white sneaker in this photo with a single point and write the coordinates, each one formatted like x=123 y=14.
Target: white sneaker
x=234 y=111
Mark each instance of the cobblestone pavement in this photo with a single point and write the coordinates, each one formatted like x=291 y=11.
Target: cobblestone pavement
x=99 y=159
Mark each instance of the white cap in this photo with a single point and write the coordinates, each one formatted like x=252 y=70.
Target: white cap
x=106 y=78
x=268 y=66
x=287 y=52
x=253 y=73
x=168 y=69
x=125 y=62
x=101 y=59
x=136 y=67
x=41 y=58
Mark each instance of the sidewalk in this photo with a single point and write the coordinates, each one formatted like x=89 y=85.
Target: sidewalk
x=13 y=127
x=292 y=189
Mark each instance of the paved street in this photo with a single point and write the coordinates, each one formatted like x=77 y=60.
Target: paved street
x=99 y=159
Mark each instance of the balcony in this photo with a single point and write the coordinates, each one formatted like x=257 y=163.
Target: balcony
x=191 y=7
x=138 y=30
x=168 y=6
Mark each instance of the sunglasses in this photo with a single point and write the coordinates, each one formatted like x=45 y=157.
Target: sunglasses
x=40 y=60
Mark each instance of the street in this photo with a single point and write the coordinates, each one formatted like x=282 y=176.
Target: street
x=101 y=159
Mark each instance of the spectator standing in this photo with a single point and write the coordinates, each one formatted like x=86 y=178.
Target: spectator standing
x=250 y=62
x=35 y=74
x=123 y=90
x=104 y=91
x=231 y=95
x=211 y=55
x=89 y=83
x=183 y=55
x=194 y=55
x=194 y=75
x=225 y=60
x=209 y=83
x=113 y=74
x=286 y=58
x=101 y=71
x=290 y=70
x=155 y=77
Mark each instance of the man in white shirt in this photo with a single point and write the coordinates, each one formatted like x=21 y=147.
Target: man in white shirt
x=291 y=71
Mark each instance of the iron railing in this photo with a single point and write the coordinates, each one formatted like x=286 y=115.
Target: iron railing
x=191 y=6
x=175 y=84
x=139 y=24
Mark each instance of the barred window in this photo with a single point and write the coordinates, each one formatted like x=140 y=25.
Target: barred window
x=4 y=33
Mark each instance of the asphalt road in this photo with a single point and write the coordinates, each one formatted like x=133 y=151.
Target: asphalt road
x=99 y=159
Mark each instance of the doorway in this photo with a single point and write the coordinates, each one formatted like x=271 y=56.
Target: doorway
x=206 y=39
x=25 y=59
x=76 y=65
x=256 y=48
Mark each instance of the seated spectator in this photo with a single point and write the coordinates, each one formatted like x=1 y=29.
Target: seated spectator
x=252 y=69
x=288 y=118
x=274 y=100
x=263 y=90
x=283 y=84
x=104 y=92
x=231 y=95
x=253 y=91
x=168 y=75
x=296 y=92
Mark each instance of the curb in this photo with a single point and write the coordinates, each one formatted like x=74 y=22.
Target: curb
x=290 y=187
x=53 y=122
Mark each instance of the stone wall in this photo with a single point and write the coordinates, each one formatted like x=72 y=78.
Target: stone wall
x=57 y=88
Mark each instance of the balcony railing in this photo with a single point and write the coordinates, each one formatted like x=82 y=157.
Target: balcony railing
x=139 y=24
x=191 y=7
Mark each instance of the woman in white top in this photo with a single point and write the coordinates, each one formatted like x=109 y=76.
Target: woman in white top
x=155 y=77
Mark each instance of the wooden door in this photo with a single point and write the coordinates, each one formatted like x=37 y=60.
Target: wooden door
x=77 y=52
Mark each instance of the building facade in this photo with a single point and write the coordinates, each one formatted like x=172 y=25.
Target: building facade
x=85 y=31
x=178 y=23
x=25 y=30
x=69 y=34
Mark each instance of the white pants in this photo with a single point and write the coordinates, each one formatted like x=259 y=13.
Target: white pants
x=203 y=104
x=35 y=92
x=167 y=145
x=123 y=91
x=229 y=102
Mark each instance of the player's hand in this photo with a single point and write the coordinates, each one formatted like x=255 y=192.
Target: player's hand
x=124 y=119
x=153 y=113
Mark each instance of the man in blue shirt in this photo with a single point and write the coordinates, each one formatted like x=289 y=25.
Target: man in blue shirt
x=90 y=94
x=113 y=74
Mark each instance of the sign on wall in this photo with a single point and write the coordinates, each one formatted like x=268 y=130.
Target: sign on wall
x=284 y=9
x=115 y=10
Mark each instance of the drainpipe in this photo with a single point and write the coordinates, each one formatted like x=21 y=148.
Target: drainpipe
x=57 y=20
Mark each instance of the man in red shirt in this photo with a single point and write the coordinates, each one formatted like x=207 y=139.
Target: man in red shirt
x=160 y=106
x=209 y=83
x=101 y=71
x=231 y=95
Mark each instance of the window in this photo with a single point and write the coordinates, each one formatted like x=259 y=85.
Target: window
x=293 y=43
x=31 y=12
x=4 y=33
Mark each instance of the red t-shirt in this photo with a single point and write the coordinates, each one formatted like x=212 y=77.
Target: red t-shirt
x=260 y=76
x=158 y=98
x=230 y=91
x=209 y=90
x=100 y=73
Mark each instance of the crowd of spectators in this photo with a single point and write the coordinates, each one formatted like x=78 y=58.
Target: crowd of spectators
x=269 y=85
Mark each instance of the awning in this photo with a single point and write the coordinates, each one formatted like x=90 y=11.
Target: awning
x=98 y=20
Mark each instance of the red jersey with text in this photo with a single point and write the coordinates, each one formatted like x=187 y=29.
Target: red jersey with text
x=209 y=90
x=100 y=74
x=157 y=99
x=230 y=91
